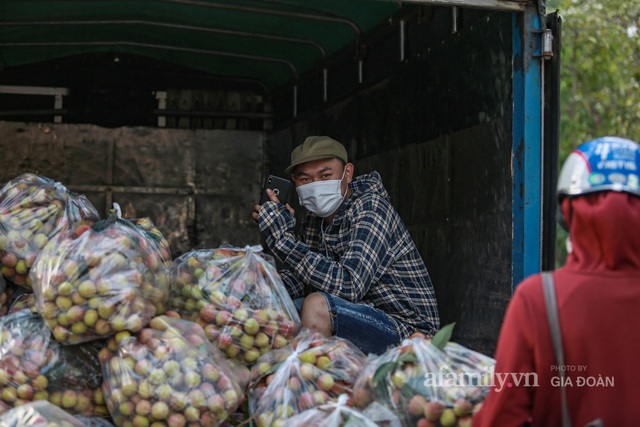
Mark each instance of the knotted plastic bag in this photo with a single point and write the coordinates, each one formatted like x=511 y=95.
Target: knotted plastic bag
x=39 y=413
x=340 y=414
x=95 y=281
x=440 y=381
x=33 y=210
x=311 y=371
x=238 y=297
x=170 y=373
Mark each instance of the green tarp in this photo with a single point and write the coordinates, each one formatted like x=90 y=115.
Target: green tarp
x=271 y=42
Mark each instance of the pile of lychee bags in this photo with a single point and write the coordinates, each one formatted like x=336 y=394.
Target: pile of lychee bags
x=97 y=319
x=84 y=282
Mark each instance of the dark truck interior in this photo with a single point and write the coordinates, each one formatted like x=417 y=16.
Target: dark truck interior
x=114 y=57
x=181 y=107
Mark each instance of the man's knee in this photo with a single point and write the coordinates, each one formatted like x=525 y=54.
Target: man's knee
x=315 y=313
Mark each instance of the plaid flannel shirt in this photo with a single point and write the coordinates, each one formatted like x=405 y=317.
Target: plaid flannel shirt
x=365 y=255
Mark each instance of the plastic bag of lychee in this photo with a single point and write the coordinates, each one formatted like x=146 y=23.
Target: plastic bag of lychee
x=33 y=366
x=238 y=297
x=341 y=413
x=39 y=413
x=427 y=382
x=311 y=371
x=92 y=282
x=34 y=209
x=170 y=373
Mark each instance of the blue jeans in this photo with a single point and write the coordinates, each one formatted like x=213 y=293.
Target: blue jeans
x=370 y=329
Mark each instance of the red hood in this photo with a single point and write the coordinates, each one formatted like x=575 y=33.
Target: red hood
x=605 y=231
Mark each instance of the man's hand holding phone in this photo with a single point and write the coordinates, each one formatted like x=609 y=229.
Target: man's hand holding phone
x=275 y=190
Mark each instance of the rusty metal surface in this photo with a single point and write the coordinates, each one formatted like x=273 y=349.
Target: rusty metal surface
x=198 y=186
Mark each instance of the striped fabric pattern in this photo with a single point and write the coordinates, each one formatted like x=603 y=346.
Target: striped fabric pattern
x=365 y=255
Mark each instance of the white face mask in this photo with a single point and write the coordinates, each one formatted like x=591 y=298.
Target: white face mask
x=322 y=197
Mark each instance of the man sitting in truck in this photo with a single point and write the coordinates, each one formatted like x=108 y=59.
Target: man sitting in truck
x=353 y=270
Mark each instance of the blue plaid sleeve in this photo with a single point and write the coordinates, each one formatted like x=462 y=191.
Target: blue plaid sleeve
x=368 y=253
x=369 y=257
x=295 y=288
x=358 y=268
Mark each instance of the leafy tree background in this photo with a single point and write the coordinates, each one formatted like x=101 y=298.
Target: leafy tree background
x=600 y=75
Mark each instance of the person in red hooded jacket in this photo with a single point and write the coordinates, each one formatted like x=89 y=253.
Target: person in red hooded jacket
x=598 y=298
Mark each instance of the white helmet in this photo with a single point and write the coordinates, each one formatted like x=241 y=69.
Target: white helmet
x=607 y=163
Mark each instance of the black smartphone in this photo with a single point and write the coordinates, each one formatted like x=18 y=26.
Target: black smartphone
x=280 y=186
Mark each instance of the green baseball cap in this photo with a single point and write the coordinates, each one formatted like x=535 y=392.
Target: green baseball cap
x=316 y=148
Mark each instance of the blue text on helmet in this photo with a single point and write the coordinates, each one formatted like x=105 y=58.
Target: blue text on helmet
x=603 y=164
